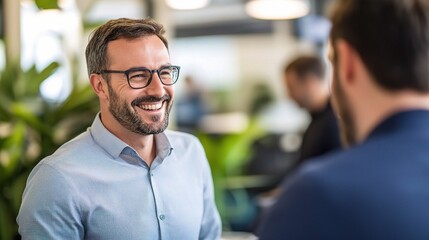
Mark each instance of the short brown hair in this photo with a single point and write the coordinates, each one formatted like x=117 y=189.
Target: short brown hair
x=305 y=65
x=96 y=51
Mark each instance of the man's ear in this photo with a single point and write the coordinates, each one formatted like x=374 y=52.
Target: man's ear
x=99 y=85
x=346 y=61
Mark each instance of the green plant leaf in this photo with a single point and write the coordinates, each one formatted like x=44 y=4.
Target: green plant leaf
x=33 y=123
x=34 y=78
x=14 y=147
x=21 y=111
x=5 y=112
x=16 y=190
x=226 y=155
x=8 y=80
x=47 y=4
x=80 y=99
x=6 y=227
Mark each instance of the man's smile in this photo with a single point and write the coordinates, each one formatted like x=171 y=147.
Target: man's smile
x=152 y=106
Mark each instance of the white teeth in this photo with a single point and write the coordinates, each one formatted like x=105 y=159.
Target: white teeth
x=151 y=107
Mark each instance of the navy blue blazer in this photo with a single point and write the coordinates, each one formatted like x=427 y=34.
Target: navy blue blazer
x=378 y=189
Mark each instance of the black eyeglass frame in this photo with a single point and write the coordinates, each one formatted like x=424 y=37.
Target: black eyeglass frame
x=127 y=72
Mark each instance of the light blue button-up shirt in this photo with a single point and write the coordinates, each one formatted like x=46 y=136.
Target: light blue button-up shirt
x=97 y=187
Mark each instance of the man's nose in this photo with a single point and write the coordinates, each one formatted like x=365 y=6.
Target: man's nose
x=155 y=87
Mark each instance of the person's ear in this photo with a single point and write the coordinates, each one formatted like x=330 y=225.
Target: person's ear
x=99 y=85
x=346 y=61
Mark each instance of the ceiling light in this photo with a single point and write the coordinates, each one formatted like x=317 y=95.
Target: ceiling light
x=187 y=4
x=277 y=9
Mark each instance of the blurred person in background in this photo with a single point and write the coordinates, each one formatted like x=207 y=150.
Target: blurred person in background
x=377 y=188
x=126 y=177
x=190 y=108
x=307 y=86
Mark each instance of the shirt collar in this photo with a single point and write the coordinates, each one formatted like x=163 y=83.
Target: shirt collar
x=412 y=119
x=163 y=146
x=105 y=139
x=115 y=146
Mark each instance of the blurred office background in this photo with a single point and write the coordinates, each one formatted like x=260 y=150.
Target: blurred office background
x=230 y=93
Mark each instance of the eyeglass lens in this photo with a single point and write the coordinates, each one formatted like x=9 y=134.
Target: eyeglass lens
x=140 y=77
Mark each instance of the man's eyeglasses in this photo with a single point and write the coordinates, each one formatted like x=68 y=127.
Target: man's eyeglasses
x=142 y=77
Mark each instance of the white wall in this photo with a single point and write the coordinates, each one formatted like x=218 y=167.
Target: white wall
x=238 y=62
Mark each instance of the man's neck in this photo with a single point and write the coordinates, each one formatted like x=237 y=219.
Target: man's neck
x=387 y=106
x=145 y=145
x=319 y=103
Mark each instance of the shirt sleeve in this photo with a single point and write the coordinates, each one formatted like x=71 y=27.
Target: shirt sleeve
x=211 y=223
x=48 y=209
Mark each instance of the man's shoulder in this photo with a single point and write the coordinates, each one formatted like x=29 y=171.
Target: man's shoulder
x=178 y=134
x=76 y=148
x=332 y=167
x=327 y=163
x=182 y=138
x=185 y=144
x=369 y=159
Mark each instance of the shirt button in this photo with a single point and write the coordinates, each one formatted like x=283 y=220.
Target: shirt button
x=162 y=217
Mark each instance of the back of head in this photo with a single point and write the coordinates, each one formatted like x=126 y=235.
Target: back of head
x=305 y=65
x=96 y=51
x=391 y=37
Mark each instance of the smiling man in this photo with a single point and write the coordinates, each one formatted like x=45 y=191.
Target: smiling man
x=126 y=177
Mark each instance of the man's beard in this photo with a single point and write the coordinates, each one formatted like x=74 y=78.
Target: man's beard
x=345 y=114
x=130 y=120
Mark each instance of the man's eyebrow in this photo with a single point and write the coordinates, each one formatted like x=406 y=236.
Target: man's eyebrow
x=166 y=65
x=161 y=66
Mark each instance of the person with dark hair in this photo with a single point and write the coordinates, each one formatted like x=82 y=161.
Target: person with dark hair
x=126 y=177
x=307 y=86
x=377 y=188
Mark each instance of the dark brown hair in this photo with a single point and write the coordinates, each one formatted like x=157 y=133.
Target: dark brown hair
x=305 y=65
x=96 y=51
x=391 y=37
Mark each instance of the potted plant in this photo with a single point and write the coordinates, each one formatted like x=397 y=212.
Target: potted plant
x=31 y=128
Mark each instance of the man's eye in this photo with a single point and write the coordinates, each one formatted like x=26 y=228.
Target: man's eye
x=165 y=72
x=141 y=75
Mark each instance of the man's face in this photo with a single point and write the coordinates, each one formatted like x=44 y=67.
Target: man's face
x=297 y=89
x=342 y=106
x=143 y=111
